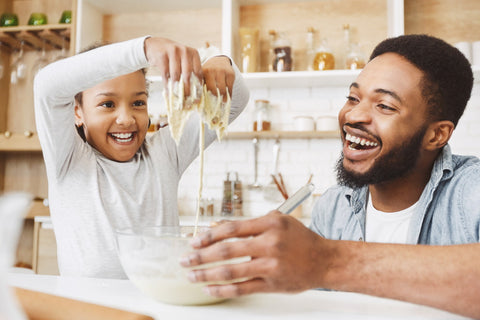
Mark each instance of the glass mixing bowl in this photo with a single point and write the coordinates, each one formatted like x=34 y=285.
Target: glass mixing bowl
x=151 y=259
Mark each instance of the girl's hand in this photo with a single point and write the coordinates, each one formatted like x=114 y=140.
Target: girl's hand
x=218 y=73
x=173 y=59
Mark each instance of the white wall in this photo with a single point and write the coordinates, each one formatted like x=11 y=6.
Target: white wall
x=298 y=158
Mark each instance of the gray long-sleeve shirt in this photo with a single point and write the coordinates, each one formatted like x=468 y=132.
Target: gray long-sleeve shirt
x=90 y=195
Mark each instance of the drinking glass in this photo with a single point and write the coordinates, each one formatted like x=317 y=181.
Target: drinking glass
x=2 y=67
x=66 y=17
x=63 y=54
x=37 y=18
x=8 y=20
x=19 y=67
x=41 y=61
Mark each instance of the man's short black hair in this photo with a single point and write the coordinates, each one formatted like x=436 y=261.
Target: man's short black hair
x=448 y=78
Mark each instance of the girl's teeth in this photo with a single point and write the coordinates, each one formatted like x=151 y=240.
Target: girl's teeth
x=124 y=137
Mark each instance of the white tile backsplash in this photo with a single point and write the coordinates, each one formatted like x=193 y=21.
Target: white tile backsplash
x=298 y=158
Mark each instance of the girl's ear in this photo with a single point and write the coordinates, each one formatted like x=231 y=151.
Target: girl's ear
x=437 y=135
x=78 y=116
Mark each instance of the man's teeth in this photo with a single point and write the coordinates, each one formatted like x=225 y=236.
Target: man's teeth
x=123 y=137
x=360 y=141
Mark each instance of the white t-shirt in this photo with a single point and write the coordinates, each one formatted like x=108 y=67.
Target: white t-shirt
x=387 y=227
x=90 y=195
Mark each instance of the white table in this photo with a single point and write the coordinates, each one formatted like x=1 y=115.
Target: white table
x=313 y=304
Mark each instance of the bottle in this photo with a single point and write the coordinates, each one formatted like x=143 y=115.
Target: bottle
x=310 y=48
x=324 y=59
x=272 y=37
x=227 y=201
x=346 y=44
x=282 y=60
x=261 y=118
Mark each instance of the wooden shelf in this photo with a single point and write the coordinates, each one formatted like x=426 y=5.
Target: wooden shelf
x=33 y=36
x=19 y=142
x=282 y=135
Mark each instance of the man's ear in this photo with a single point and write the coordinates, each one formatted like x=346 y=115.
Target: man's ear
x=437 y=135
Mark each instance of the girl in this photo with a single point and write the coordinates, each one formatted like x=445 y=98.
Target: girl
x=111 y=175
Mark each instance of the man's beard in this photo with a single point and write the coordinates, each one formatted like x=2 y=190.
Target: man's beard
x=395 y=164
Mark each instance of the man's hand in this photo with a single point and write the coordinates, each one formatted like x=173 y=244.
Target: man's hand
x=284 y=256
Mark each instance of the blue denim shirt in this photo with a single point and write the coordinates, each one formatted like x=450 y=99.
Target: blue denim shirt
x=448 y=211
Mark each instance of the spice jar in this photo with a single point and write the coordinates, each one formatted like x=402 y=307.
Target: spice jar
x=261 y=117
x=250 y=49
x=282 y=54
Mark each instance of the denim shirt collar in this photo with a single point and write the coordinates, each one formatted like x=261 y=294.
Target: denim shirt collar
x=442 y=170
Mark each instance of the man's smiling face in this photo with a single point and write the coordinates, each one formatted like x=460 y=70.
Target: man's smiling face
x=383 y=122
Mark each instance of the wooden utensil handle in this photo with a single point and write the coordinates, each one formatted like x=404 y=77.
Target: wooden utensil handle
x=43 y=306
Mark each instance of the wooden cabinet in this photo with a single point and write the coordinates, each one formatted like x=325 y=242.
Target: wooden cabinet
x=21 y=162
x=44 y=247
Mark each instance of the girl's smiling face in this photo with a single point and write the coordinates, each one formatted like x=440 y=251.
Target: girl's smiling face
x=114 y=115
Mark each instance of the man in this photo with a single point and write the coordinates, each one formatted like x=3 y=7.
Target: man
x=404 y=222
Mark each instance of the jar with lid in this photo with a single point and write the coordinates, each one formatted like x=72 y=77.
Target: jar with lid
x=355 y=58
x=324 y=59
x=272 y=36
x=261 y=117
x=282 y=50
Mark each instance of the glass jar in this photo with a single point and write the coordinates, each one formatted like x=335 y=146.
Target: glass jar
x=250 y=49
x=355 y=58
x=272 y=37
x=261 y=117
x=324 y=59
x=282 y=54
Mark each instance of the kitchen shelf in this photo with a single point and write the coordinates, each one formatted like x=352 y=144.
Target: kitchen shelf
x=239 y=135
x=293 y=79
x=304 y=79
x=298 y=79
x=18 y=142
x=54 y=34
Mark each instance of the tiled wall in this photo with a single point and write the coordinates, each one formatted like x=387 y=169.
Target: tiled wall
x=298 y=158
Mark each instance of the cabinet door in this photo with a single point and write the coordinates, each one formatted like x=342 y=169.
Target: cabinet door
x=45 y=250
